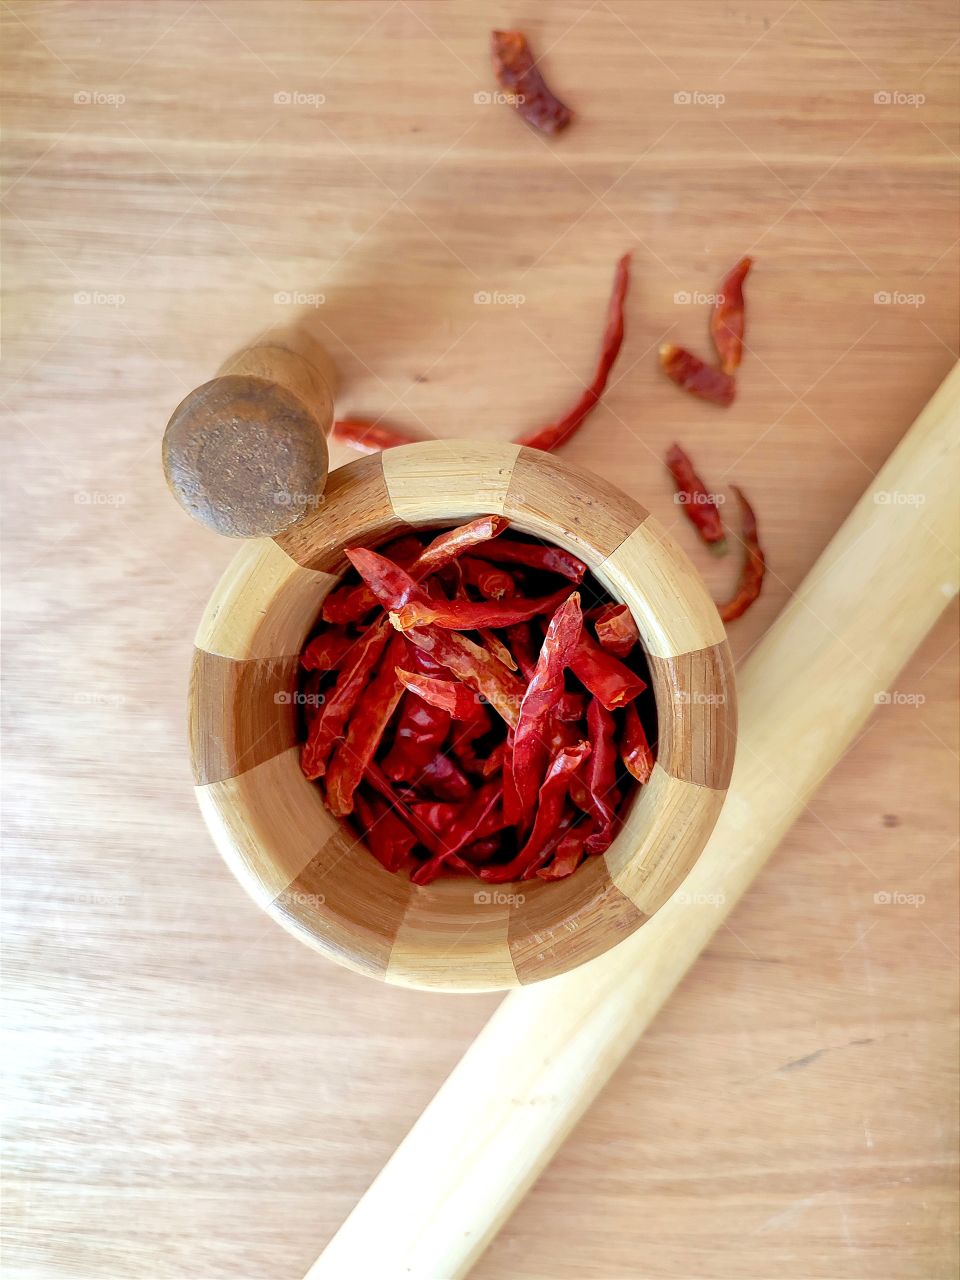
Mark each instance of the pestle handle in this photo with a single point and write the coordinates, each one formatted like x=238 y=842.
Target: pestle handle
x=246 y=453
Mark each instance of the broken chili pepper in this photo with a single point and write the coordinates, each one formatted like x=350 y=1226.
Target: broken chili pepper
x=754 y=563
x=616 y=630
x=699 y=504
x=557 y=433
x=450 y=695
x=727 y=319
x=637 y=755
x=694 y=375
x=517 y=74
x=605 y=676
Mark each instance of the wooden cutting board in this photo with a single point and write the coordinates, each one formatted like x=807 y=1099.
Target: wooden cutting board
x=196 y=1095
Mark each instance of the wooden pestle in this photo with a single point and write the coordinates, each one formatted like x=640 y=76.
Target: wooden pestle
x=549 y=1049
x=246 y=453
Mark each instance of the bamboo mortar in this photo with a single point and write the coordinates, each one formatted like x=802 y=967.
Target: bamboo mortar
x=804 y=694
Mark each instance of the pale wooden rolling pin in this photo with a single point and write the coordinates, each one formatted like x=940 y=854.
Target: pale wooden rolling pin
x=809 y=686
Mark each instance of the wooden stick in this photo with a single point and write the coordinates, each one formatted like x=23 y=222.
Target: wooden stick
x=549 y=1049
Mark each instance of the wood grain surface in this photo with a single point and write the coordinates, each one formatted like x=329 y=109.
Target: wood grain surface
x=192 y=1093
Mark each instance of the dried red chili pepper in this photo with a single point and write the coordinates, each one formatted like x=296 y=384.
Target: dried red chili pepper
x=601 y=774
x=616 y=629
x=543 y=692
x=727 y=319
x=460 y=834
x=437 y=814
x=694 y=375
x=569 y=854
x=634 y=747
x=370 y=437
x=536 y=555
x=493 y=644
x=421 y=732
x=754 y=564
x=517 y=74
x=605 y=676
x=445 y=779
x=550 y=799
x=328 y=726
x=450 y=695
x=491 y=582
x=557 y=433
x=384 y=832
x=699 y=504
x=471 y=615
x=481 y=851
x=326 y=651
x=375 y=776
x=368 y=720
x=484 y=673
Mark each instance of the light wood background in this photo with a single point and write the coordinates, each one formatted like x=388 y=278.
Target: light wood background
x=193 y=1094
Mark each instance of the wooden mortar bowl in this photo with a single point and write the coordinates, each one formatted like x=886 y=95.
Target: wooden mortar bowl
x=308 y=870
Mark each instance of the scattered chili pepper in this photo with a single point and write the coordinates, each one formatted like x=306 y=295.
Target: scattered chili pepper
x=605 y=676
x=697 y=377
x=370 y=437
x=698 y=502
x=727 y=319
x=635 y=748
x=557 y=433
x=518 y=76
x=616 y=629
x=544 y=690
x=754 y=564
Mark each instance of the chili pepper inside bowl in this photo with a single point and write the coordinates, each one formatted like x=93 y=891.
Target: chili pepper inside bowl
x=305 y=866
